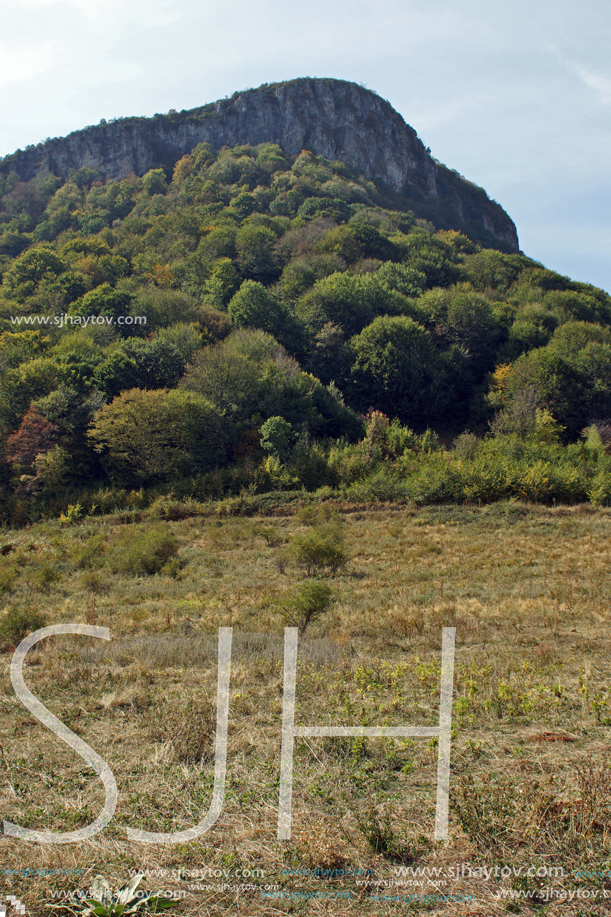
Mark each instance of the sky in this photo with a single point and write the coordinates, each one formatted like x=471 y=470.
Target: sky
x=515 y=96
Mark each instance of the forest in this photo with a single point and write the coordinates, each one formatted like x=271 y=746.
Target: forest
x=246 y=328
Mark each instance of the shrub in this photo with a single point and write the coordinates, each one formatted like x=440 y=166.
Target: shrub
x=73 y=514
x=319 y=549
x=8 y=575
x=599 y=490
x=91 y=554
x=272 y=536
x=145 y=554
x=307 y=603
x=47 y=576
x=466 y=446
x=95 y=583
x=315 y=513
x=17 y=624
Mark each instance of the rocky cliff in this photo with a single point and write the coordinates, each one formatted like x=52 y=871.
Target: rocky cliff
x=331 y=118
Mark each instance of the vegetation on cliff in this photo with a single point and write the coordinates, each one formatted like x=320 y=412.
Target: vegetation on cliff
x=246 y=324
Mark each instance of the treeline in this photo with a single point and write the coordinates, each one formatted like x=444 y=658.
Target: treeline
x=287 y=307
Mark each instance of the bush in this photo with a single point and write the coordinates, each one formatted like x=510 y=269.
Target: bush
x=47 y=576
x=272 y=536
x=599 y=491
x=17 y=624
x=315 y=513
x=145 y=554
x=309 y=602
x=319 y=549
x=91 y=554
x=95 y=583
x=8 y=575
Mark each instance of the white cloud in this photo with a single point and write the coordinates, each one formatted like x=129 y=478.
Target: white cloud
x=598 y=82
x=18 y=64
x=92 y=7
x=107 y=15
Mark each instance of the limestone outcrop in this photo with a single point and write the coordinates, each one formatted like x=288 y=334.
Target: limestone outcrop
x=331 y=118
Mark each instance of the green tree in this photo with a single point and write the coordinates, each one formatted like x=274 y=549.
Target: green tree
x=147 y=437
x=104 y=300
x=26 y=383
x=348 y=301
x=222 y=284
x=396 y=368
x=151 y=364
x=307 y=603
x=433 y=257
x=228 y=379
x=30 y=269
x=401 y=279
x=154 y=182
x=276 y=434
x=254 y=306
x=255 y=253
x=358 y=240
x=572 y=337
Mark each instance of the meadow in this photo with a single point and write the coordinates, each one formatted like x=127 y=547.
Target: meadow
x=526 y=587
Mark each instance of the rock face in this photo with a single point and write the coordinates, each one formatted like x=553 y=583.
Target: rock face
x=331 y=118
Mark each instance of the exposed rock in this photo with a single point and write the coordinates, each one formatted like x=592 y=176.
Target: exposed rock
x=331 y=118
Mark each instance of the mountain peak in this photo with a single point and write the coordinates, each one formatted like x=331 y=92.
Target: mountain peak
x=334 y=119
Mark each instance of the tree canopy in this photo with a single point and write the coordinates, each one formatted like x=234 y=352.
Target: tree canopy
x=208 y=309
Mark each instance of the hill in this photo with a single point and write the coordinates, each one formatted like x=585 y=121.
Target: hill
x=331 y=118
x=250 y=386
x=255 y=319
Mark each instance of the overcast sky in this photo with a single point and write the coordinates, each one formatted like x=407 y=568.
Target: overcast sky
x=515 y=95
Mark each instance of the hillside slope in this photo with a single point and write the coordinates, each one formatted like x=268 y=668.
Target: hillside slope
x=252 y=322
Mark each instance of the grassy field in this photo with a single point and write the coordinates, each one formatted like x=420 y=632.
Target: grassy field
x=528 y=591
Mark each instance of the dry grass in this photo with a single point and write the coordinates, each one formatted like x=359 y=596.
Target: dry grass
x=526 y=587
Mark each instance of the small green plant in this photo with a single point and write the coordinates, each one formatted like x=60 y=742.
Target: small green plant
x=73 y=514
x=384 y=841
x=17 y=623
x=103 y=902
x=309 y=602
